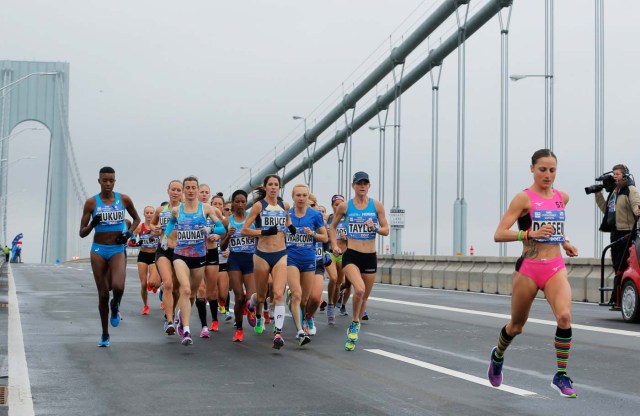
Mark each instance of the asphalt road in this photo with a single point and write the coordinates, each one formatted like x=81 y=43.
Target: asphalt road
x=424 y=352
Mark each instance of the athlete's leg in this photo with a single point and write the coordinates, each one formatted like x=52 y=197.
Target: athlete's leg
x=100 y=266
x=118 y=276
x=261 y=272
x=212 y=293
x=293 y=280
x=558 y=294
x=143 y=269
x=368 y=279
x=223 y=290
x=166 y=272
x=332 y=292
x=353 y=275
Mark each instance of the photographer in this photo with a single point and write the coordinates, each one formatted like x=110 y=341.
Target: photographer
x=620 y=209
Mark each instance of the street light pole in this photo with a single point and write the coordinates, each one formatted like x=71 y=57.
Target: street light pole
x=548 y=115
x=12 y=135
x=250 y=173
x=309 y=175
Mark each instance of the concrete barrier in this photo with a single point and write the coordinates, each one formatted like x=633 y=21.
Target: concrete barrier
x=484 y=274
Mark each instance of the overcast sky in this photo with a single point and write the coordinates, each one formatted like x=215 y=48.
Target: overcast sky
x=160 y=90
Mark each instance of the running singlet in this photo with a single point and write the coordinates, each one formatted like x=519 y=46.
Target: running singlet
x=545 y=211
x=301 y=245
x=239 y=243
x=164 y=217
x=272 y=215
x=146 y=239
x=112 y=215
x=341 y=228
x=356 y=218
x=190 y=237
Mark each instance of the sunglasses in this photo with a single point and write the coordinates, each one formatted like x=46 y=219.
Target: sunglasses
x=227 y=209
x=312 y=205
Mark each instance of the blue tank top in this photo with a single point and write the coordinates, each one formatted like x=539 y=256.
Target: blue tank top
x=341 y=228
x=272 y=215
x=164 y=217
x=302 y=246
x=356 y=229
x=112 y=215
x=190 y=237
x=239 y=243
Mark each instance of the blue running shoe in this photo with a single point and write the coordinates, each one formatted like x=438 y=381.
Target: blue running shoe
x=311 y=327
x=494 y=372
x=349 y=345
x=352 y=332
x=115 y=313
x=104 y=341
x=564 y=385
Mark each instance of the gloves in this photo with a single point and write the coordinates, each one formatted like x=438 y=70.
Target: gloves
x=122 y=238
x=327 y=259
x=292 y=229
x=96 y=220
x=273 y=230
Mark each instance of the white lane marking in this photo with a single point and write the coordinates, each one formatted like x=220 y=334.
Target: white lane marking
x=20 y=400
x=507 y=317
x=452 y=373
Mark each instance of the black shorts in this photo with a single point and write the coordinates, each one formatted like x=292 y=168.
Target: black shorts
x=223 y=267
x=168 y=253
x=146 y=258
x=367 y=262
x=213 y=258
x=320 y=267
x=192 y=262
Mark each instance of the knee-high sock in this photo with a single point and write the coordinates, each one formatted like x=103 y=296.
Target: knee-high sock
x=213 y=305
x=201 y=305
x=504 y=340
x=562 y=344
x=279 y=312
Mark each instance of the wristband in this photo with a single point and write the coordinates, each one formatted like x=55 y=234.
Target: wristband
x=520 y=235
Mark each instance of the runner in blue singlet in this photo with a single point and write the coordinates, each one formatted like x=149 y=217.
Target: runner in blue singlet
x=271 y=216
x=301 y=255
x=188 y=227
x=240 y=261
x=365 y=219
x=105 y=213
x=164 y=254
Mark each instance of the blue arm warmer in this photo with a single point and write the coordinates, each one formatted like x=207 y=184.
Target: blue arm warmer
x=219 y=228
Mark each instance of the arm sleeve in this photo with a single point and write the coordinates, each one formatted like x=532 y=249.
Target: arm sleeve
x=219 y=228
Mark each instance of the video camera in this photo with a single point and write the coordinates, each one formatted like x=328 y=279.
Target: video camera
x=608 y=183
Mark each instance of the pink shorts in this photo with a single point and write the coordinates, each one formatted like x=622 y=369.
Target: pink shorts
x=540 y=271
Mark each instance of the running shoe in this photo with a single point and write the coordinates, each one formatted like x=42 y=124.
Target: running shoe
x=311 y=327
x=186 y=339
x=352 y=332
x=115 y=313
x=222 y=309
x=349 y=345
x=148 y=287
x=267 y=317
x=278 y=342
x=145 y=310
x=343 y=311
x=302 y=338
x=251 y=314
x=564 y=385
x=169 y=328
x=494 y=372
x=365 y=316
x=323 y=306
x=204 y=333
x=259 y=328
x=214 y=326
x=239 y=336
x=154 y=289
x=227 y=315
x=331 y=315
x=104 y=341
x=160 y=294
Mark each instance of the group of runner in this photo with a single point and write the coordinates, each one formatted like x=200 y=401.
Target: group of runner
x=194 y=249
